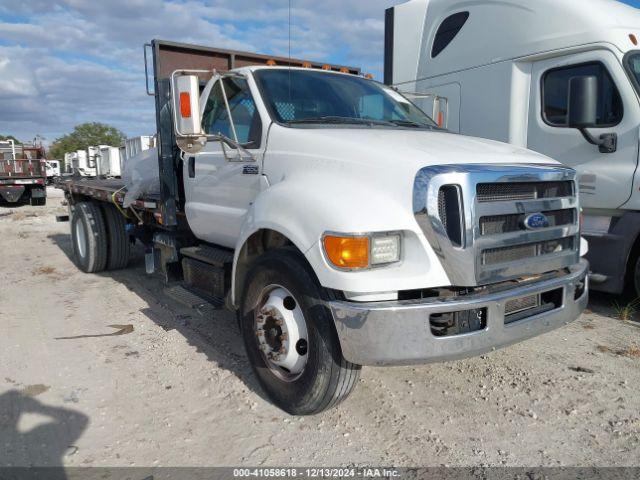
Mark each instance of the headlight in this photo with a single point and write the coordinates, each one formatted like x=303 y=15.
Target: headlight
x=356 y=252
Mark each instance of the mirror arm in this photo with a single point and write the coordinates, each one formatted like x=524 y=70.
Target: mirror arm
x=240 y=149
x=588 y=137
x=607 y=143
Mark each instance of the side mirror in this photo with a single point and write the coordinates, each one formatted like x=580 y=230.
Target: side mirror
x=582 y=102
x=583 y=112
x=186 y=112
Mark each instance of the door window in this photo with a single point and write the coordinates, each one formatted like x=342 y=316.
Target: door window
x=555 y=90
x=246 y=118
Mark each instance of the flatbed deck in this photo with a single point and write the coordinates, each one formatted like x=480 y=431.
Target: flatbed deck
x=107 y=190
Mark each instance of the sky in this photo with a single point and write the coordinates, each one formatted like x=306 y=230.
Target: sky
x=65 y=62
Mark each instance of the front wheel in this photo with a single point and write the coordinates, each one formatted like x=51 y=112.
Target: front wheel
x=290 y=337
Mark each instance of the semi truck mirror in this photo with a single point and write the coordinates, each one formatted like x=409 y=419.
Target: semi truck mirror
x=582 y=102
x=186 y=113
x=582 y=112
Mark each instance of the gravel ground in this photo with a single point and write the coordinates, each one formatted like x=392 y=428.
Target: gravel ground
x=174 y=388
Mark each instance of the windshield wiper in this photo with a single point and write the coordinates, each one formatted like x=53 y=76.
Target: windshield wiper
x=409 y=123
x=339 y=120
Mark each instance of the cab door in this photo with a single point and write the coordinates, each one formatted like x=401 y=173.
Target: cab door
x=220 y=185
x=606 y=179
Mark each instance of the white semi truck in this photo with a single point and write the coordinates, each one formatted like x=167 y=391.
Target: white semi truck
x=560 y=77
x=339 y=222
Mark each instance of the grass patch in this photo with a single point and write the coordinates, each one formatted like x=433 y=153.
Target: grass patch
x=626 y=311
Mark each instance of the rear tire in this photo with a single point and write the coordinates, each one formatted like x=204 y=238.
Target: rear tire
x=88 y=237
x=326 y=378
x=118 y=246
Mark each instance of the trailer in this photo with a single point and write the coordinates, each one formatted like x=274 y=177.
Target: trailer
x=108 y=162
x=22 y=174
x=135 y=145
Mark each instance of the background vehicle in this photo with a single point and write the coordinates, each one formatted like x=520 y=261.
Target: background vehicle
x=135 y=145
x=83 y=162
x=22 y=174
x=567 y=85
x=338 y=221
x=53 y=170
x=108 y=161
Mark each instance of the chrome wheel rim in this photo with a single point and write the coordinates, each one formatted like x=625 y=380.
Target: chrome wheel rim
x=81 y=238
x=281 y=333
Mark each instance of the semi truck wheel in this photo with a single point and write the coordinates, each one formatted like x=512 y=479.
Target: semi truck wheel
x=290 y=337
x=118 y=245
x=636 y=277
x=88 y=237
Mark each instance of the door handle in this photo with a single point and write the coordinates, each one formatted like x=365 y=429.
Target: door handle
x=192 y=167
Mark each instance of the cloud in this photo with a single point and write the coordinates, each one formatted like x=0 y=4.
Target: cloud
x=63 y=62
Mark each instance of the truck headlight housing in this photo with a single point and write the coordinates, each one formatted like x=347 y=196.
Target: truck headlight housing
x=361 y=251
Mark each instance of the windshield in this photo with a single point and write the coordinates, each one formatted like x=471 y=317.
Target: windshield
x=633 y=64
x=305 y=97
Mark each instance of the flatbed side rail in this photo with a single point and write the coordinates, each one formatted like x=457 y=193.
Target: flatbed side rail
x=106 y=193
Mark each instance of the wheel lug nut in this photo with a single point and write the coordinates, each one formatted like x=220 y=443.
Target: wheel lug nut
x=279 y=322
x=284 y=336
x=282 y=350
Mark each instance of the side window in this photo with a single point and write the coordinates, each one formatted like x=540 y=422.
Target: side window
x=555 y=91
x=243 y=112
x=447 y=31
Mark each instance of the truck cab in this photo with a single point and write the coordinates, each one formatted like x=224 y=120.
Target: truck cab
x=340 y=223
x=528 y=86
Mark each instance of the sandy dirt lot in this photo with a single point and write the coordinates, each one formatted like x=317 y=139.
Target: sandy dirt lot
x=174 y=387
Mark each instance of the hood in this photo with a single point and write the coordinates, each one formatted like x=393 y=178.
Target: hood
x=374 y=148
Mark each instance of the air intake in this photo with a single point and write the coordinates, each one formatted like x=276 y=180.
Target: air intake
x=450 y=213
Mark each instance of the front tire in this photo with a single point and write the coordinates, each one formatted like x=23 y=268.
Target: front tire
x=88 y=237
x=290 y=337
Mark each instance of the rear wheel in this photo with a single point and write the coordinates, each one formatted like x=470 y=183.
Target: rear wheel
x=88 y=237
x=118 y=246
x=290 y=337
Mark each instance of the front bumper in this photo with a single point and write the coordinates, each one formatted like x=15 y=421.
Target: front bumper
x=399 y=333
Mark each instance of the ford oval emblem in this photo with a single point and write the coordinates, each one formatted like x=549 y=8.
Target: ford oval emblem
x=535 y=221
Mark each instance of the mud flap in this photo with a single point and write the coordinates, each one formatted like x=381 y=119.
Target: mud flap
x=11 y=193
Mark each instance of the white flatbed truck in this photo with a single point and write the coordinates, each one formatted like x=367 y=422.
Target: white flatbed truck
x=340 y=223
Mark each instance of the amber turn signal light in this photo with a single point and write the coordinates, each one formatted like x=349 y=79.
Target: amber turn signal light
x=185 y=105
x=347 y=252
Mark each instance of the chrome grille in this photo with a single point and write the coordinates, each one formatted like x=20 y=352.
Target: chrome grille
x=491 y=207
x=514 y=253
x=501 y=192
x=496 y=224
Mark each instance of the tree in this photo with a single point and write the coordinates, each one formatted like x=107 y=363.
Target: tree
x=86 y=135
x=10 y=137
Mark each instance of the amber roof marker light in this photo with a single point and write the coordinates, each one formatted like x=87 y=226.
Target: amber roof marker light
x=633 y=39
